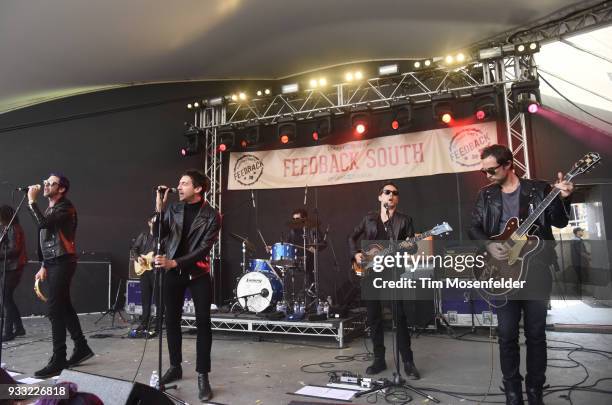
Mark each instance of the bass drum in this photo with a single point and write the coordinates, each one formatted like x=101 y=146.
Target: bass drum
x=259 y=290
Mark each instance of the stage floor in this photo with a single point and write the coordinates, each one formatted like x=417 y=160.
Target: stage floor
x=254 y=369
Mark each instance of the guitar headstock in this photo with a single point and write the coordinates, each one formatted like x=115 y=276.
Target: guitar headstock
x=585 y=164
x=439 y=229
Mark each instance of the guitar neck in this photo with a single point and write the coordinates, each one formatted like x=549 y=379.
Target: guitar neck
x=407 y=242
x=526 y=225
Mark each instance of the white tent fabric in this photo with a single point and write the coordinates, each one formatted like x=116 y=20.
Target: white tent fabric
x=579 y=68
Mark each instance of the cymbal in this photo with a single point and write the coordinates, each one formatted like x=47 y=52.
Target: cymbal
x=301 y=223
x=249 y=245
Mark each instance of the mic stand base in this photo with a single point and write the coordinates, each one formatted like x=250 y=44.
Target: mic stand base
x=400 y=383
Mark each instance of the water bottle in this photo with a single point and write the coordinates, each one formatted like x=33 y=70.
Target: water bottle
x=296 y=307
x=302 y=307
x=283 y=307
x=279 y=306
x=326 y=309
x=185 y=306
x=191 y=307
x=154 y=381
x=319 y=307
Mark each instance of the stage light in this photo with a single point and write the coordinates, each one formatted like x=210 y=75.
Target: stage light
x=533 y=46
x=249 y=136
x=401 y=116
x=267 y=92
x=417 y=64
x=449 y=59
x=533 y=107
x=290 y=88
x=349 y=77
x=427 y=63
x=322 y=82
x=259 y=93
x=234 y=97
x=490 y=53
x=395 y=124
x=460 y=58
x=521 y=48
x=242 y=96
x=480 y=115
x=322 y=125
x=388 y=70
x=486 y=102
x=530 y=48
x=196 y=104
x=216 y=101
x=441 y=105
x=315 y=135
x=358 y=75
x=244 y=143
x=313 y=83
x=359 y=123
x=193 y=136
x=226 y=140
x=189 y=106
x=286 y=131
x=360 y=128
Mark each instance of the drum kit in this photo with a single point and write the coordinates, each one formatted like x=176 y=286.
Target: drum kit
x=270 y=284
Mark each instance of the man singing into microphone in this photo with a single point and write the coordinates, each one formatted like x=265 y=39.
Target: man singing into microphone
x=386 y=224
x=192 y=228
x=57 y=254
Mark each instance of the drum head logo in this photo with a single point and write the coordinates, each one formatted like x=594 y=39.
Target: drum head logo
x=248 y=169
x=466 y=145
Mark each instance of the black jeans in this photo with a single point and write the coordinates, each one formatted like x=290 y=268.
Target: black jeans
x=12 y=317
x=61 y=312
x=174 y=297
x=147 y=291
x=534 y=323
x=376 y=324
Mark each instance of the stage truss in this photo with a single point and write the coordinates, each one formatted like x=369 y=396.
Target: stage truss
x=339 y=329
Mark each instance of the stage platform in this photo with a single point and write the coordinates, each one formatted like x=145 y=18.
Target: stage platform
x=340 y=329
x=262 y=369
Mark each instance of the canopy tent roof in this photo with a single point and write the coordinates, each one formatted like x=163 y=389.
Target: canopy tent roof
x=65 y=47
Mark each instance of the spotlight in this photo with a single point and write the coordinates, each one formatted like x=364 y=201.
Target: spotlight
x=259 y=93
x=313 y=83
x=486 y=102
x=242 y=96
x=286 y=132
x=460 y=58
x=359 y=123
x=533 y=46
x=349 y=76
x=526 y=96
x=417 y=64
x=194 y=141
x=249 y=136
x=449 y=59
x=322 y=126
x=529 y=48
x=234 y=97
x=189 y=106
x=322 y=82
x=427 y=63
x=267 y=92
x=226 y=141
x=442 y=107
x=520 y=48
x=401 y=114
x=358 y=75
x=388 y=70
x=196 y=104
x=290 y=88
x=533 y=107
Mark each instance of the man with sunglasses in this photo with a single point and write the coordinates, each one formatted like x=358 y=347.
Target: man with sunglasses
x=386 y=224
x=506 y=197
x=57 y=254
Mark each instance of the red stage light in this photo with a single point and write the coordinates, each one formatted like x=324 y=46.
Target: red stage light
x=533 y=108
x=284 y=138
x=446 y=118
x=243 y=143
x=222 y=147
x=395 y=124
x=480 y=115
x=183 y=152
x=360 y=128
x=315 y=135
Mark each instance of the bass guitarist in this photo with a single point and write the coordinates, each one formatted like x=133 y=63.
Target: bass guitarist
x=142 y=252
x=386 y=224
x=510 y=197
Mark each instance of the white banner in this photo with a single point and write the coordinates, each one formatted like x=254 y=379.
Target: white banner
x=447 y=150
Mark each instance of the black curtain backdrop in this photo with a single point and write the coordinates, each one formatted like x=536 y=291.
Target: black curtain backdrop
x=116 y=145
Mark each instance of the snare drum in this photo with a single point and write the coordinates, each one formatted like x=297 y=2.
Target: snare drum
x=284 y=254
x=260 y=290
x=259 y=265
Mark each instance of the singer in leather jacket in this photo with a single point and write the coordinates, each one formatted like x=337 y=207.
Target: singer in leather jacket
x=57 y=229
x=15 y=250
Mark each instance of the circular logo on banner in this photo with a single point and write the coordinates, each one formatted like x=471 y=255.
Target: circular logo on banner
x=248 y=169
x=466 y=145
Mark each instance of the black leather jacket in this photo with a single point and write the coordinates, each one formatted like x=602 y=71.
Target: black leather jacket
x=367 y=229
x=203 y=234
x=57 y=229
x=16 y=256
x=488 y=210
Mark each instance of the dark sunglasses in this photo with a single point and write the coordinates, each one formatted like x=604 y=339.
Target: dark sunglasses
x=50 y=183
x=491 y=170
x=387 y=192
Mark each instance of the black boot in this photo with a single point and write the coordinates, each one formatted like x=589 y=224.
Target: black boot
x=172 y=374
x=79 y=355
x=377 y=366
x=411 y=371
x=55 y=367
x=514 y=392
x=19 y=331
x=205 y=392
x=8 y=336
x=534 y=396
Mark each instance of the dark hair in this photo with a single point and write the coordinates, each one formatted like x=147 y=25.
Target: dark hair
x=6 y=213
x=303 y=213
x=576 y=230
x=198 y=179
x=63 y=181
x=501 y=153
x=385 y=184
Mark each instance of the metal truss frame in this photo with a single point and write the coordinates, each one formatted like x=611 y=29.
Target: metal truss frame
x=339 y=329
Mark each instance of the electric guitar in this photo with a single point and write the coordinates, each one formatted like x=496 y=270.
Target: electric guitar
x=520 y=243
x=376 y=249
x=147 y=264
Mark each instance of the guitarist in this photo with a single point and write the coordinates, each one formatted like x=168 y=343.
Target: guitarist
x=381 y=225
x=144 y=244
x=508 y=196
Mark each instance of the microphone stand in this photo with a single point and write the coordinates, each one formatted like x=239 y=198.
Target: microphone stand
x=2 y=240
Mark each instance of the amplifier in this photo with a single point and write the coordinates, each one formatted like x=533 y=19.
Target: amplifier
x=133 y=300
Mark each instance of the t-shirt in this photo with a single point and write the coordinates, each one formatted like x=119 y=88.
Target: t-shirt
x=510 y=206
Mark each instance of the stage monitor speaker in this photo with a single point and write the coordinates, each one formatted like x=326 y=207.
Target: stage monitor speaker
x=115 y=391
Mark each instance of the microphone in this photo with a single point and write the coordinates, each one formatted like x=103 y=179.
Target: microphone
x=305 y=193
x=163 y=189
x=253 y=198
x=24 y=188
x=326 y=231
x=264 y=292
x=386 y=205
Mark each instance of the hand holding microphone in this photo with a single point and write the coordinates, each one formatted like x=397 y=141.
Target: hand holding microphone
x=33 y=191
x=162 y=197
